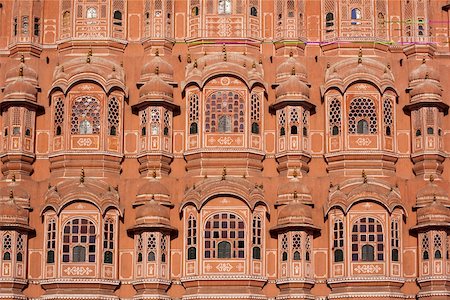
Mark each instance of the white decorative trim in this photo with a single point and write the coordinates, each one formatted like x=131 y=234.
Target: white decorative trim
x=296 y=296
x=223 y=277
x=78 y=280
x=302 y=280
x=366 y=295
x=431 y=278
x=365 y=279
x=77 y=297
x=433 y=294
x=152 y=280
x=151 y=297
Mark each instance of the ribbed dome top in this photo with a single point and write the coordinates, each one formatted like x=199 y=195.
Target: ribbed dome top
x=426 y=87
x=20 y=87
x=293 y=86
x=11 y=213
x=434 y=213
x=153 y=213
x=422 y=72
x=158 y=65
x=23 y=69
x=290 y=65
x=295 y=213
x=156 y=86
x=153 y=187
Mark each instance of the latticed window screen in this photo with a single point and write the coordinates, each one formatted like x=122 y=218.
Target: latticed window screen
x=226 y=108
x=139 y=247
x=284 y=247
x=367 y=240
x=425 y=246
x=19 y=247
x=113 y=116
x=85 y=116
x=192 y=237
x=297 y=246
x=335 y=116
x=387 y=116
x=155 y=119
x=163 y=247
x=79 y=241
x=151 y=247
x=7 y=246
x=226 y=227
x=338 y=240
x=362 y=108
x=437 y=241
x=308 y=248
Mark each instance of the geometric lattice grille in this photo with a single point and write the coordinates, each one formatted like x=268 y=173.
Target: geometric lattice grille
x=113 y=113
x=362 y=108
x=85 y=116
x=335 y=114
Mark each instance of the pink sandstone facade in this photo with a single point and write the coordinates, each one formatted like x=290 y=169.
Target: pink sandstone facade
x=224 y=149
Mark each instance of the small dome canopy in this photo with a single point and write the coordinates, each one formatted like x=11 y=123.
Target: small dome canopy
x=293 y=86
x=153 y=189
x=285 y=69
x=426 y=87
x=20 y=89
x=294 y=190
x=426 y=195
x=152 y=216
x=434 y=215
x=156 y=88
x=164 y=68
x=295 y=215
x=422 y=72
x=25 y=71
x=13 y=215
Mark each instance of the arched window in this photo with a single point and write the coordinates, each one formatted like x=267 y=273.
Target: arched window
x=294 y=129
x=224 y=7
x=193 y=128
x=91 y=13
x=362 y=127
x=368 y=253
x=362 y=116
x=85 y=117
x=282 y=131
x=117 y=18
x=224 y=227
x=66 y=19
x=338 y=240
x=253 y=11
x=335 y=130
x=195 y=11
x=192 y=237
x=79 y=241
x=224 y=250
x=430 y=130
x=356 y=15
x=367 y=240
x=329 y=22
x=418 y=132
x=338 y=255
x=224 y=124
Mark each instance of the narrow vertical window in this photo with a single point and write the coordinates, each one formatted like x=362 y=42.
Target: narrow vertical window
x=425 y=247
x=166 y=123
x=25 y=24
x=256 y=237
x=308 y=248
x=296 y=246
x=338 y=240
x=395 y=240
x=155 y=121
x=284 y=247
x=113 y=116
x=192 y=237
x=143 y=117
x=335 y=116
x=294 y=120
x=139 y=248
x=7 y=246
x=282 y=122
x=51 y=241
x=255 y=113
x=193 y=114
x=108 y=241
x=36 y=27
x=437 y=246
x=163 y=247
x=387 y=116
x=151 y=247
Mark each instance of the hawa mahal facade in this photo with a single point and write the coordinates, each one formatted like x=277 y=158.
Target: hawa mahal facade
x=224 y=149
